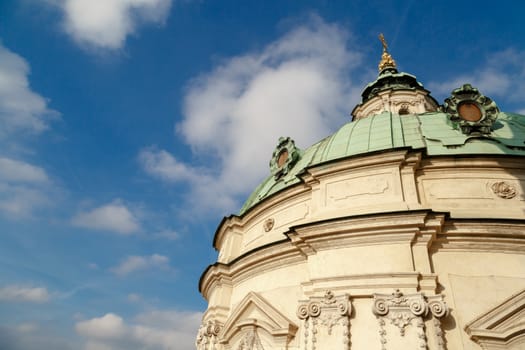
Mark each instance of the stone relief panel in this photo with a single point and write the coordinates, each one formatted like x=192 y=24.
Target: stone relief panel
x=207 y=337
x=361 y=190
x=326 y=322
x=401 y=319
x=250 y=341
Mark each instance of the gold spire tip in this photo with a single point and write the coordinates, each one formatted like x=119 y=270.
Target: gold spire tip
x=386 y=59
x=383 y=41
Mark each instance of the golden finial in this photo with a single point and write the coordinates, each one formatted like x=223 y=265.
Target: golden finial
x=386 y=59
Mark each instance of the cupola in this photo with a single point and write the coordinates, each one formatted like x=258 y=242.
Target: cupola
x=393 y=91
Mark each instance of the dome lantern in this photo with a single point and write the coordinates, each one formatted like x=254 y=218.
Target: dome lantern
x=393 y=91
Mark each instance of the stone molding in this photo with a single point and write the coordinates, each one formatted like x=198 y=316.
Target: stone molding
x=327 y=311
x=502 y=327
x=407 y=310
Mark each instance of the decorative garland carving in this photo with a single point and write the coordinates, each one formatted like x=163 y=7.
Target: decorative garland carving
x=328 y=311
x=402 y=309
x=504 y=190
x=207 y=335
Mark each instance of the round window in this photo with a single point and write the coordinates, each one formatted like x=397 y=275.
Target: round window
x=283 y=157
x=469 y=111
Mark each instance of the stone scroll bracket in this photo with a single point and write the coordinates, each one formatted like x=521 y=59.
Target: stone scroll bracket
x=408 y=313
x=327 y=312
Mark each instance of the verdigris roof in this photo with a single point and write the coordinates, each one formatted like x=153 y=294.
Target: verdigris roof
x=431 y=132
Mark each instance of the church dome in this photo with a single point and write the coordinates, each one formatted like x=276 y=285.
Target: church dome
x=435 y=133
x=404 y=229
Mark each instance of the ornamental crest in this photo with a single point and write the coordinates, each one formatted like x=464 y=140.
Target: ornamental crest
x=470 y=111
x=284 y=157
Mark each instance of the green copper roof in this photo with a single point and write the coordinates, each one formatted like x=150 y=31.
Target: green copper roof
x=430 y=131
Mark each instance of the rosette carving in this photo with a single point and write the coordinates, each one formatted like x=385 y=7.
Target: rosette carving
x=503 y=190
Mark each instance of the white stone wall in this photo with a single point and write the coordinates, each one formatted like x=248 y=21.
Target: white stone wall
x=419 y=236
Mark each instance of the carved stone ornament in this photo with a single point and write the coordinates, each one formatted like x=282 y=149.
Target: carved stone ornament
x=328 y=311
x=268 y=224
x=470 y=111
x=207 y=335
x=284 y=157
x=250 y=341
x=504 y=190
x=409 y=310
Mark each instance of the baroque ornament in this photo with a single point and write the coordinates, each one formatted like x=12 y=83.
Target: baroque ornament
x=207 y=336
x=402 y=309
x=328 y=311
x=284 y=157
x=503 y=190
x=268 y=224
x=250 y=341
x=386 y=59
x=470 y=111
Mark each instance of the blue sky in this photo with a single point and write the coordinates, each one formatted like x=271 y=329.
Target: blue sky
x=129 y=128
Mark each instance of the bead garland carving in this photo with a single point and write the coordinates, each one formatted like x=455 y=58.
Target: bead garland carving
x=405 y=310
x=328 y=311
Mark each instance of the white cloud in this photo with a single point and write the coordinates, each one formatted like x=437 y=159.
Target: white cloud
x=162 y=330
x=106 y=24
x=23 y=187
x=21 y=109
x=115 y=217
x=109 y=326
x=140 y=263
x=20 y=201
x=297 y=86
x=17 y=171
x=163 y=165
x=24 y=294
x=501 y=77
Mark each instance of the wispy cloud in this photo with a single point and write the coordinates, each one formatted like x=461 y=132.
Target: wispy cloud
x=501 y=75
x=106 y=24
x=15 y=293
x=152 y=330
x=141 y=263
x=13 y=170
x=113 y=217
x=297 y=86
x=21 y=109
